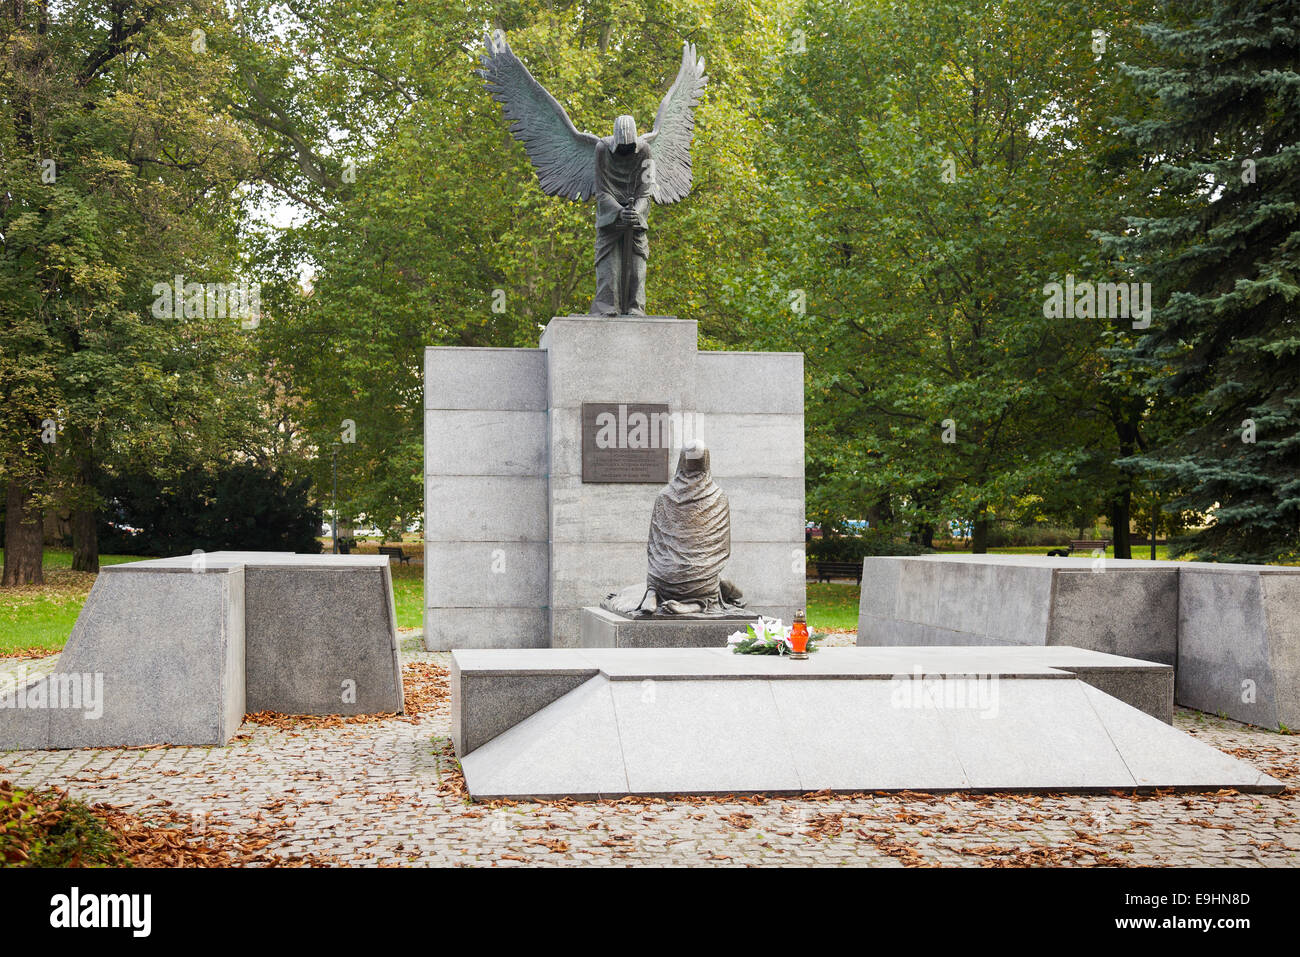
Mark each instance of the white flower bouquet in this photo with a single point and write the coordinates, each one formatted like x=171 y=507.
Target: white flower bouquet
x=767 y=636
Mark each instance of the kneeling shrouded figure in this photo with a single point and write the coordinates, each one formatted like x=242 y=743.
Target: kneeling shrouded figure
x=690 y=542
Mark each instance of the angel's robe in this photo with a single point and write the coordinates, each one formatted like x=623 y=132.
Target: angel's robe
x=622 y=250
x=690 y=535
x=690 y=542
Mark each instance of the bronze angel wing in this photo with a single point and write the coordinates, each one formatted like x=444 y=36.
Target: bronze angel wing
x=670 y=142
x=565 y=159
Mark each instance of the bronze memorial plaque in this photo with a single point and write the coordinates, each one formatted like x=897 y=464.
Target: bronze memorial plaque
x=626 y=442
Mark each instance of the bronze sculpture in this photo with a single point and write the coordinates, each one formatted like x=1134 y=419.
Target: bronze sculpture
x=689 y=544
x=624 y=172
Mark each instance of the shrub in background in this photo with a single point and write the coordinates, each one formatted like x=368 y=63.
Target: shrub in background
x=241 y=506
x=852 y=548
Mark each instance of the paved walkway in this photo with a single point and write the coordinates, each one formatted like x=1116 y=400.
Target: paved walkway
x=388 y=792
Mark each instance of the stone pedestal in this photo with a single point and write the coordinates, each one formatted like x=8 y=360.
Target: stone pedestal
x=517 y=544
x=605 y=629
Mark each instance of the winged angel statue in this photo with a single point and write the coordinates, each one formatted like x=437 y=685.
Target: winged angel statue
x=623 y=171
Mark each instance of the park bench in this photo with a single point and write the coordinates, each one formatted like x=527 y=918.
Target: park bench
x=825 y=571
x=395 y=552
x=1082 y=544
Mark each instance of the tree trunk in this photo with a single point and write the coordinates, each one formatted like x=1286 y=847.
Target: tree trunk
x=1155 y=527
x=85 y=518
x=85 y=541
x=1126 y=417
x=24 y=538
x=1119 y=519
x=979 y=536
x=880 y=514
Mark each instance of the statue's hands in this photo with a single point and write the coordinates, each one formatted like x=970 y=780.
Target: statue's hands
x=627 y=216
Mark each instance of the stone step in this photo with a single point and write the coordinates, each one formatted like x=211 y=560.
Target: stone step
x=613 y=737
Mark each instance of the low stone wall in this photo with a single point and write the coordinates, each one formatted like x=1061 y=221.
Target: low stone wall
x=1231 y=631
x=1239 y=642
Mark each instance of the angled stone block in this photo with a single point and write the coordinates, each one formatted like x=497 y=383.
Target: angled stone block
x=166 y=645
x=701 y=737
x=172 y=651
x=705 y=721
x=830 y=723
x=571 y=747
x=321 y=637
x=24 y=717
x=1170 y=760
x=488 y=699
x=1239 y=642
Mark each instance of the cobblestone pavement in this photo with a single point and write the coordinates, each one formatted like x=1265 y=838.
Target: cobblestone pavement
x=388 y=792
x=20 y=671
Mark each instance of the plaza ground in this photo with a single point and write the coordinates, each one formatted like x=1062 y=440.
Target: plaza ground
x=386 y=791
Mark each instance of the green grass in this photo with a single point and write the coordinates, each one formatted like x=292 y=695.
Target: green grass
x=832 y=606
x=408 y=595
x=43 y=616
x=61 y=558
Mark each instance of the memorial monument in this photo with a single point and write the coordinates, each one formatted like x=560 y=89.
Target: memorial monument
x=543 y=465
x=542 y=468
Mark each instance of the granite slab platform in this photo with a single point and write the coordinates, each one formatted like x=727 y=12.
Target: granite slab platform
x=706 y=721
